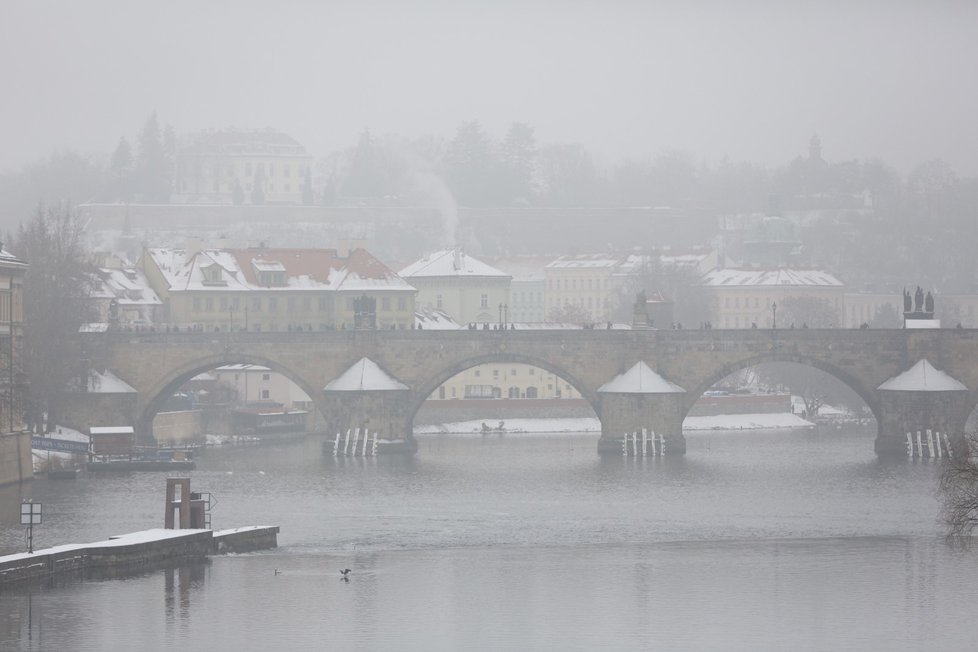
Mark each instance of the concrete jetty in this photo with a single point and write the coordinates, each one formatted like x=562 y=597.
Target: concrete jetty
x=135 y=551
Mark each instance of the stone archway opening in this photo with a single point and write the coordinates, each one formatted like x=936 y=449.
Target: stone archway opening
x=778 y=394
x=505 y=396
x=231 y=402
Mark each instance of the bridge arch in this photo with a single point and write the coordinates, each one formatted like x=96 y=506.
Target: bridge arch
x=430 y=384
x=866 y=393
x=157 y=395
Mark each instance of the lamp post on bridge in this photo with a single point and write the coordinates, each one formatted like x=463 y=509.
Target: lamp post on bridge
x=774 y=314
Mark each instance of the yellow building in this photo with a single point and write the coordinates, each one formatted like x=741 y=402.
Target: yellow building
x=586 y=283
x=263 y=289
x=212 y=163
x=466 y=289
x=505 y=381
x=743 y=298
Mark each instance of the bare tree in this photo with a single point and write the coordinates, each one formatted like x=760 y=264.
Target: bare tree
x=56 y=289
x=959 y=492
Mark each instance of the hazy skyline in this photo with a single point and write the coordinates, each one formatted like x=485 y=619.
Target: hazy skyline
x=893 y=80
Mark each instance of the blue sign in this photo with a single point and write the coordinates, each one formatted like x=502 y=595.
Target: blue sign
x=63 y=445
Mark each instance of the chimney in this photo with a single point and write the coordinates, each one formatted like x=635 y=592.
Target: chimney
x=457 y=259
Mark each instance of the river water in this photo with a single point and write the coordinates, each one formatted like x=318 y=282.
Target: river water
x=754 y=540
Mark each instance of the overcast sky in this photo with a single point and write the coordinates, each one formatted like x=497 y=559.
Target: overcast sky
x=749 y=80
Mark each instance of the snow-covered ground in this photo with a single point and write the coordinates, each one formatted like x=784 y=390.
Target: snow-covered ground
x=775 y=420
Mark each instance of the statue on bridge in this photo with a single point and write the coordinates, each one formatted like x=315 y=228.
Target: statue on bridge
x=918 y=300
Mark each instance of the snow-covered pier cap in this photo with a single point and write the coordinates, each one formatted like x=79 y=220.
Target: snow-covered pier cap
x=640 y=379
x=923 y=377
x=641 y=398
x=364 y=376
x=923 y=398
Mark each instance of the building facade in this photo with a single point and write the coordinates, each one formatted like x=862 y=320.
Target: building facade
x=463 y=287
x=263 y=289
x=238 y=165
x=746 y=298
x=15 y=442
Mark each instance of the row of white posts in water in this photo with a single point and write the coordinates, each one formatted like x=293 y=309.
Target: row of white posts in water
x=644 y=444
x=933 y=442
x=349 y=450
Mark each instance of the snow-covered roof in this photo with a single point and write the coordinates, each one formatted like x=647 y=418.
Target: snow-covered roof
x=129 y=287
x=923 y=377
x=585 y=261
x=435 y=320
x=450 y=262
x=640 y=379
x=111 y=430
x=304 y=269
x=364 y=376
x=104 y=382
x=731 y=277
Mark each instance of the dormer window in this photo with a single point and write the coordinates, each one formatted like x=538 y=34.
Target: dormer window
x=213 y=275
x=271 y=273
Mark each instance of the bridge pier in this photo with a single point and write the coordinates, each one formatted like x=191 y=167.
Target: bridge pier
x=383 y=412
x=912 y=411
x=628 y=413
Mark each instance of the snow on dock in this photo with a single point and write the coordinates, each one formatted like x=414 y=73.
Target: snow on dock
x=135 y=551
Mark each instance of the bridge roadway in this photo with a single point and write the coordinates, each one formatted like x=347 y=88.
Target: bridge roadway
x=156 y=364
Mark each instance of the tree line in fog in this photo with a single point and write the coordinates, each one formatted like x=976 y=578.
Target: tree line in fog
x=862 y=219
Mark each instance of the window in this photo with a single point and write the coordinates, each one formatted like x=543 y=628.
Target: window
x=401 y=303
x=438 y=302
x=290 y=303
x=453 y=392
x=533 y=371
x=272 y=304
x=209 y=304
x=478 y=373
x=484 y=301
x=385 y=303
x=256 y=304
x=441 y=392
x=306 y=303
x=224 y=303
x=495 y=373
x=322 y=304
x=287 y=171
x=196 y=304
x=264 y=393
x=266 y=376
x=513 y=372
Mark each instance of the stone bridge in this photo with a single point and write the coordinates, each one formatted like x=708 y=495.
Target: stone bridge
x=157 y=364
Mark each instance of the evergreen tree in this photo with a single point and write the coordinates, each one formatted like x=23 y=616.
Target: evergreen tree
x=119 y=184
x=470 y=166
x=237 y=194
x=518 y=158
x=258 y=186
x=307 y=194
x=151 y=177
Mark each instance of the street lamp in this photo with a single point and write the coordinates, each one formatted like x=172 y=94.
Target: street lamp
x=500 y=314
x=774 y=314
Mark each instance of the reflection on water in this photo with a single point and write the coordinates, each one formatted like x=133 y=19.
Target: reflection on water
x=752 y=540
